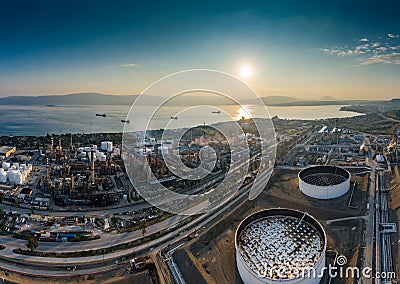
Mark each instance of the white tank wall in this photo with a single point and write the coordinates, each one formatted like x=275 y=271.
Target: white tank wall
x=324 y=192
x=250 y=277
x=106 y=146
x=3 y=176
x=102 y=157
x=5 y=166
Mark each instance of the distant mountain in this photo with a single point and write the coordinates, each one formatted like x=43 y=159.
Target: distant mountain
x=185 y=100
x=326 y=103
x=273 y=100
x=327 y=98
x=393 y=102
x=73 y=99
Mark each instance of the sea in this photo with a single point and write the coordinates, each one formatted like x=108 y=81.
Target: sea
x=42 y=120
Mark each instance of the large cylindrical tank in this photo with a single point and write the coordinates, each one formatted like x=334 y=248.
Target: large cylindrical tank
x=5 y=166
x=324 y=182
x=107 y=146
x=19 y=178
x=280 y=246
x=102 y=157
x=3 y=176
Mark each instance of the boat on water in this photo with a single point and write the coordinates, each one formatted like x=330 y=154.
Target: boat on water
x=125 y=121
x=101 y=114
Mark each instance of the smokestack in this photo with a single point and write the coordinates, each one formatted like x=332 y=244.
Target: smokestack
x=92 y=163
x=72 y=182
x=59 y=146
x=337 y=130
x=52 y=145
x=70 y=143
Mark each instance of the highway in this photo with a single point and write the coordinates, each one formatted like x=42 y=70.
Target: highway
x=155 y=244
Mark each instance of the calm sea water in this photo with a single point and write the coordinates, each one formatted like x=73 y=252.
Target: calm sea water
x=40 y=120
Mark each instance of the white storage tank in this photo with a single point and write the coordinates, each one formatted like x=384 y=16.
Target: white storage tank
x=164 y=150
x=94 y=158
x=324 y=182
x=102 y=157
x=3 y=176
x=5 y=166
x=12 y=173
x=280 y=246
x=19 y=178
x=107 y=146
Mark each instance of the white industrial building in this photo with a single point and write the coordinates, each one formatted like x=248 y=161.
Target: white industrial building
x=324 y=182
x=280 y=246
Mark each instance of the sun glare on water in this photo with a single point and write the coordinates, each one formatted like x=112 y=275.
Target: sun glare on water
x=243 y=113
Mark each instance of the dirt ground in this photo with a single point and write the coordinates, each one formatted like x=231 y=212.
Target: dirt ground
x=394 y=215
x=213 y=252
x=114 y=277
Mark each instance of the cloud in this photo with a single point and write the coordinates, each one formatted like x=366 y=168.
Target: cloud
x=130 y=65
x=361 y=49
x=381 y=49
x=370 y=51
x=392 y=58
x=337 y=51
x=392 y=36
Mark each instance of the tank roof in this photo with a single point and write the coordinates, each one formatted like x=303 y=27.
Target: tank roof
x=281 y=246
x=324 y=175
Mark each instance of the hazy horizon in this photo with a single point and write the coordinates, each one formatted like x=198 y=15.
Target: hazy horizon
x=305 y=50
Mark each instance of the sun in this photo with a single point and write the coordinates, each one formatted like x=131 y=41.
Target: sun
x=245 y=71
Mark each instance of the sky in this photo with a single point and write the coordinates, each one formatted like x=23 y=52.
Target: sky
x=303 y=49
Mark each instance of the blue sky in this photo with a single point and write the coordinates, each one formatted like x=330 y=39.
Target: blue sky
x=344 y=49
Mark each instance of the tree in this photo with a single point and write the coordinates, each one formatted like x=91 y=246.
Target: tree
x=32 y=244
x=114 y=220
x=143 y=226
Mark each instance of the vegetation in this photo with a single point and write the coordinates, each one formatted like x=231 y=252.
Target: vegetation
x=107 y=250
x=32 y=243
x=143 y=226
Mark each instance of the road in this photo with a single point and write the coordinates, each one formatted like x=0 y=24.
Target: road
x=156 y=244
x=369 y=228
